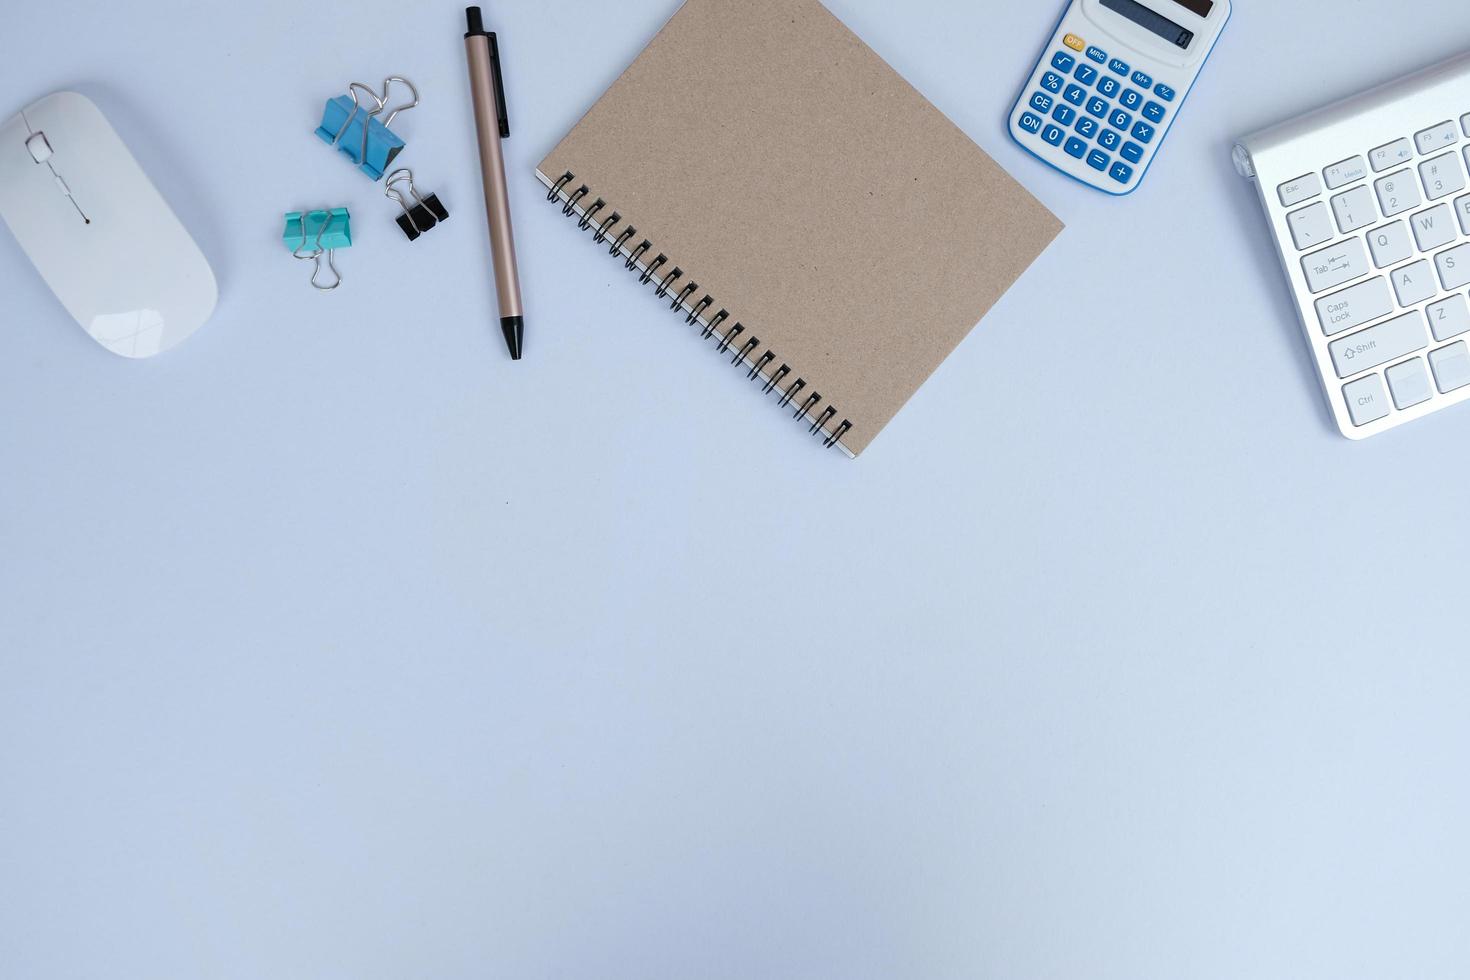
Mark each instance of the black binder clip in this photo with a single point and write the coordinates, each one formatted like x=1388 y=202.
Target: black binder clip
x=420 y=214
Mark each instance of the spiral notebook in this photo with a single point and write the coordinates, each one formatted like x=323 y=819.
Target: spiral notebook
x=812 y=216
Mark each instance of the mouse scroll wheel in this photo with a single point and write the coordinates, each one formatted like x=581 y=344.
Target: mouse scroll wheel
x=39 y=147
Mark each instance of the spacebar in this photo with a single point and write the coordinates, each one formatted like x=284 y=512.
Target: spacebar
x=1378 y=345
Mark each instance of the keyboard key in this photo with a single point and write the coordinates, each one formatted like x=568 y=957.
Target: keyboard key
x=1454 y=266
x=1086 y=127
x=1434 y=228
x=1074 y=42
x=1304 y=188
x=1108 y=87
x=1377 y=346
x=1097 y=54
x=1131 y=152
x=1143 y=132
x=1390 y=244
x=1347 y=172
x=1354 y=306
x=1310 y=226
x=1064 y=114
x=1121 y=172
x=1075 y=94
x=1030 y=122
x=1391 y=154
x=1110 y=139
x=1119 y=67
x=1465 y=123
x=1142 y=80
x=1366 y=400
x=1397 y=193
x=1053 y=135
x=1413 y=284
x=1153 y=112
x=1164 y=92
x=1098 y=107
x=1448 y=318
x=1120 y=120
x=1462 y=211
x=1451 y=367
x=1063 y=62
x=1075 y=147
x=1085 y=74
x=1042 y=102
x=1098 y=160
x=1051 y=82
x=1442 y=176
x=1354 y=209
x=1437 y=137
x=1333 y=266
x=1409 y=383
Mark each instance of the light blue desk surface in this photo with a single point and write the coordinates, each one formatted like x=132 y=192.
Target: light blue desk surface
x=334 y=645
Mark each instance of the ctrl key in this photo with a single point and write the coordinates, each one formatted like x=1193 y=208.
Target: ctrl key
x=1366 y=400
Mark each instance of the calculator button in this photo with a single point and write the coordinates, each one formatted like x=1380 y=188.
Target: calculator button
x=1304 y=188
x=1354 y=306
x=1164 y=92
x=1433 y=228
x=1110 y=139
x=1087 y=128
x=1085 y=74
x=1354 y=209
x=1413 y=284
x=1130 y=101
x=1143 y=132
x=1390 y=154
x=1131 y=152
x=1098 y=160
x=1390 y=244
x=1075 y=94
x=1366 y=401
x=1449 y=318
x=1377 y=346
x=1142 y=80
x=1074 y=42
x=1310 y=226
x=1042 y=102
x=1108 y=87
x=1153 y=112
x=1409 y=383
x=1451 y=367
x=1454 y=267
x=1120 y=120
x=1119 y=67
x=1121 y=172
x=1098 y=107
x=1397 y=193
x=1097 y=54
x=1063 y=62
x=1053 y=135
x=1030 y=122
x=1075 y=147
x=1052 y=82
x=1437 y=137
x=1346 y=172
x=1335 y=265
x=1064 y=114
x=1442 y=176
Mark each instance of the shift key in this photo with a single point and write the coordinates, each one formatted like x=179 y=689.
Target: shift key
x=1378 y=345
x=1336 y=265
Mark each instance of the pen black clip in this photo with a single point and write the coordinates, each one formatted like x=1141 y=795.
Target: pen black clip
x=477 y=29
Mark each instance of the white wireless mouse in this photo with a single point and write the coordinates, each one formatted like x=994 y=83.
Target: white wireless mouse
x=98 y=231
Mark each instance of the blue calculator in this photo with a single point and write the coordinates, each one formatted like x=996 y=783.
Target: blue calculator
x=1110 y=82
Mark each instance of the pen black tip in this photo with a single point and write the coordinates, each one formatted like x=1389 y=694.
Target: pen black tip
x=514 y=328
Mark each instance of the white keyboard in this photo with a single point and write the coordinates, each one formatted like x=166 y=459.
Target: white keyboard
x=1369 y=204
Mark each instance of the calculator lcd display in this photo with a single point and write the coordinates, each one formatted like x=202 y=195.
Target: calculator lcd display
x=1201 y=7
x=1152 y=21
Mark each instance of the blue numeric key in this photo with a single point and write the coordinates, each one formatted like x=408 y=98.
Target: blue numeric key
x=1108 y=87
x=1053 y=135
x=1142 y=80
x=1130 y=100
x=1119 y=67
x=1063 y=63
x=1075 y=147
x=1064 y=114
x=1052 y=82
x=1098 y=160
x=1086 y=127
x=1097 y=54
x=1143 y=132
x=1085 y=74
x=1042 y=103
x=1164 y=92
x=1098 y=107
x=1131 y=152
x=1120 y=120
x=1153 y=112
x=1110 y=139
x=1030 y=122
x=1075 y=94
x=1121 y=172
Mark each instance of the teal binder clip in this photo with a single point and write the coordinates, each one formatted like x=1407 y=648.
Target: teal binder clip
x=310 y=235
x=354 y=127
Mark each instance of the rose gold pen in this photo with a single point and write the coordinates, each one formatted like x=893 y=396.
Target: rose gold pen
x=492 y=121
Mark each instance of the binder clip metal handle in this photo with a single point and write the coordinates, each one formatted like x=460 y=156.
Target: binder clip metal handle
x=324 y=244
x=350 y=123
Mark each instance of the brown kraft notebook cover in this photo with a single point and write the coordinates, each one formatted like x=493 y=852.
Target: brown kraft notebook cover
x=824 y=225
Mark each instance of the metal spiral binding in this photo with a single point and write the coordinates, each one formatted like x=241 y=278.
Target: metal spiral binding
x=634 y=258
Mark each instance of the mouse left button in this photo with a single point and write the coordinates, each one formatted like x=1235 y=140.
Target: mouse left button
x=40 y=148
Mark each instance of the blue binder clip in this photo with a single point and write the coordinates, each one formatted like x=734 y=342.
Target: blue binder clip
x=354 y=127
x=313 y=234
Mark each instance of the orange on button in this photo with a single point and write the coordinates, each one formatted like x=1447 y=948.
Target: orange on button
x=1074 y=42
